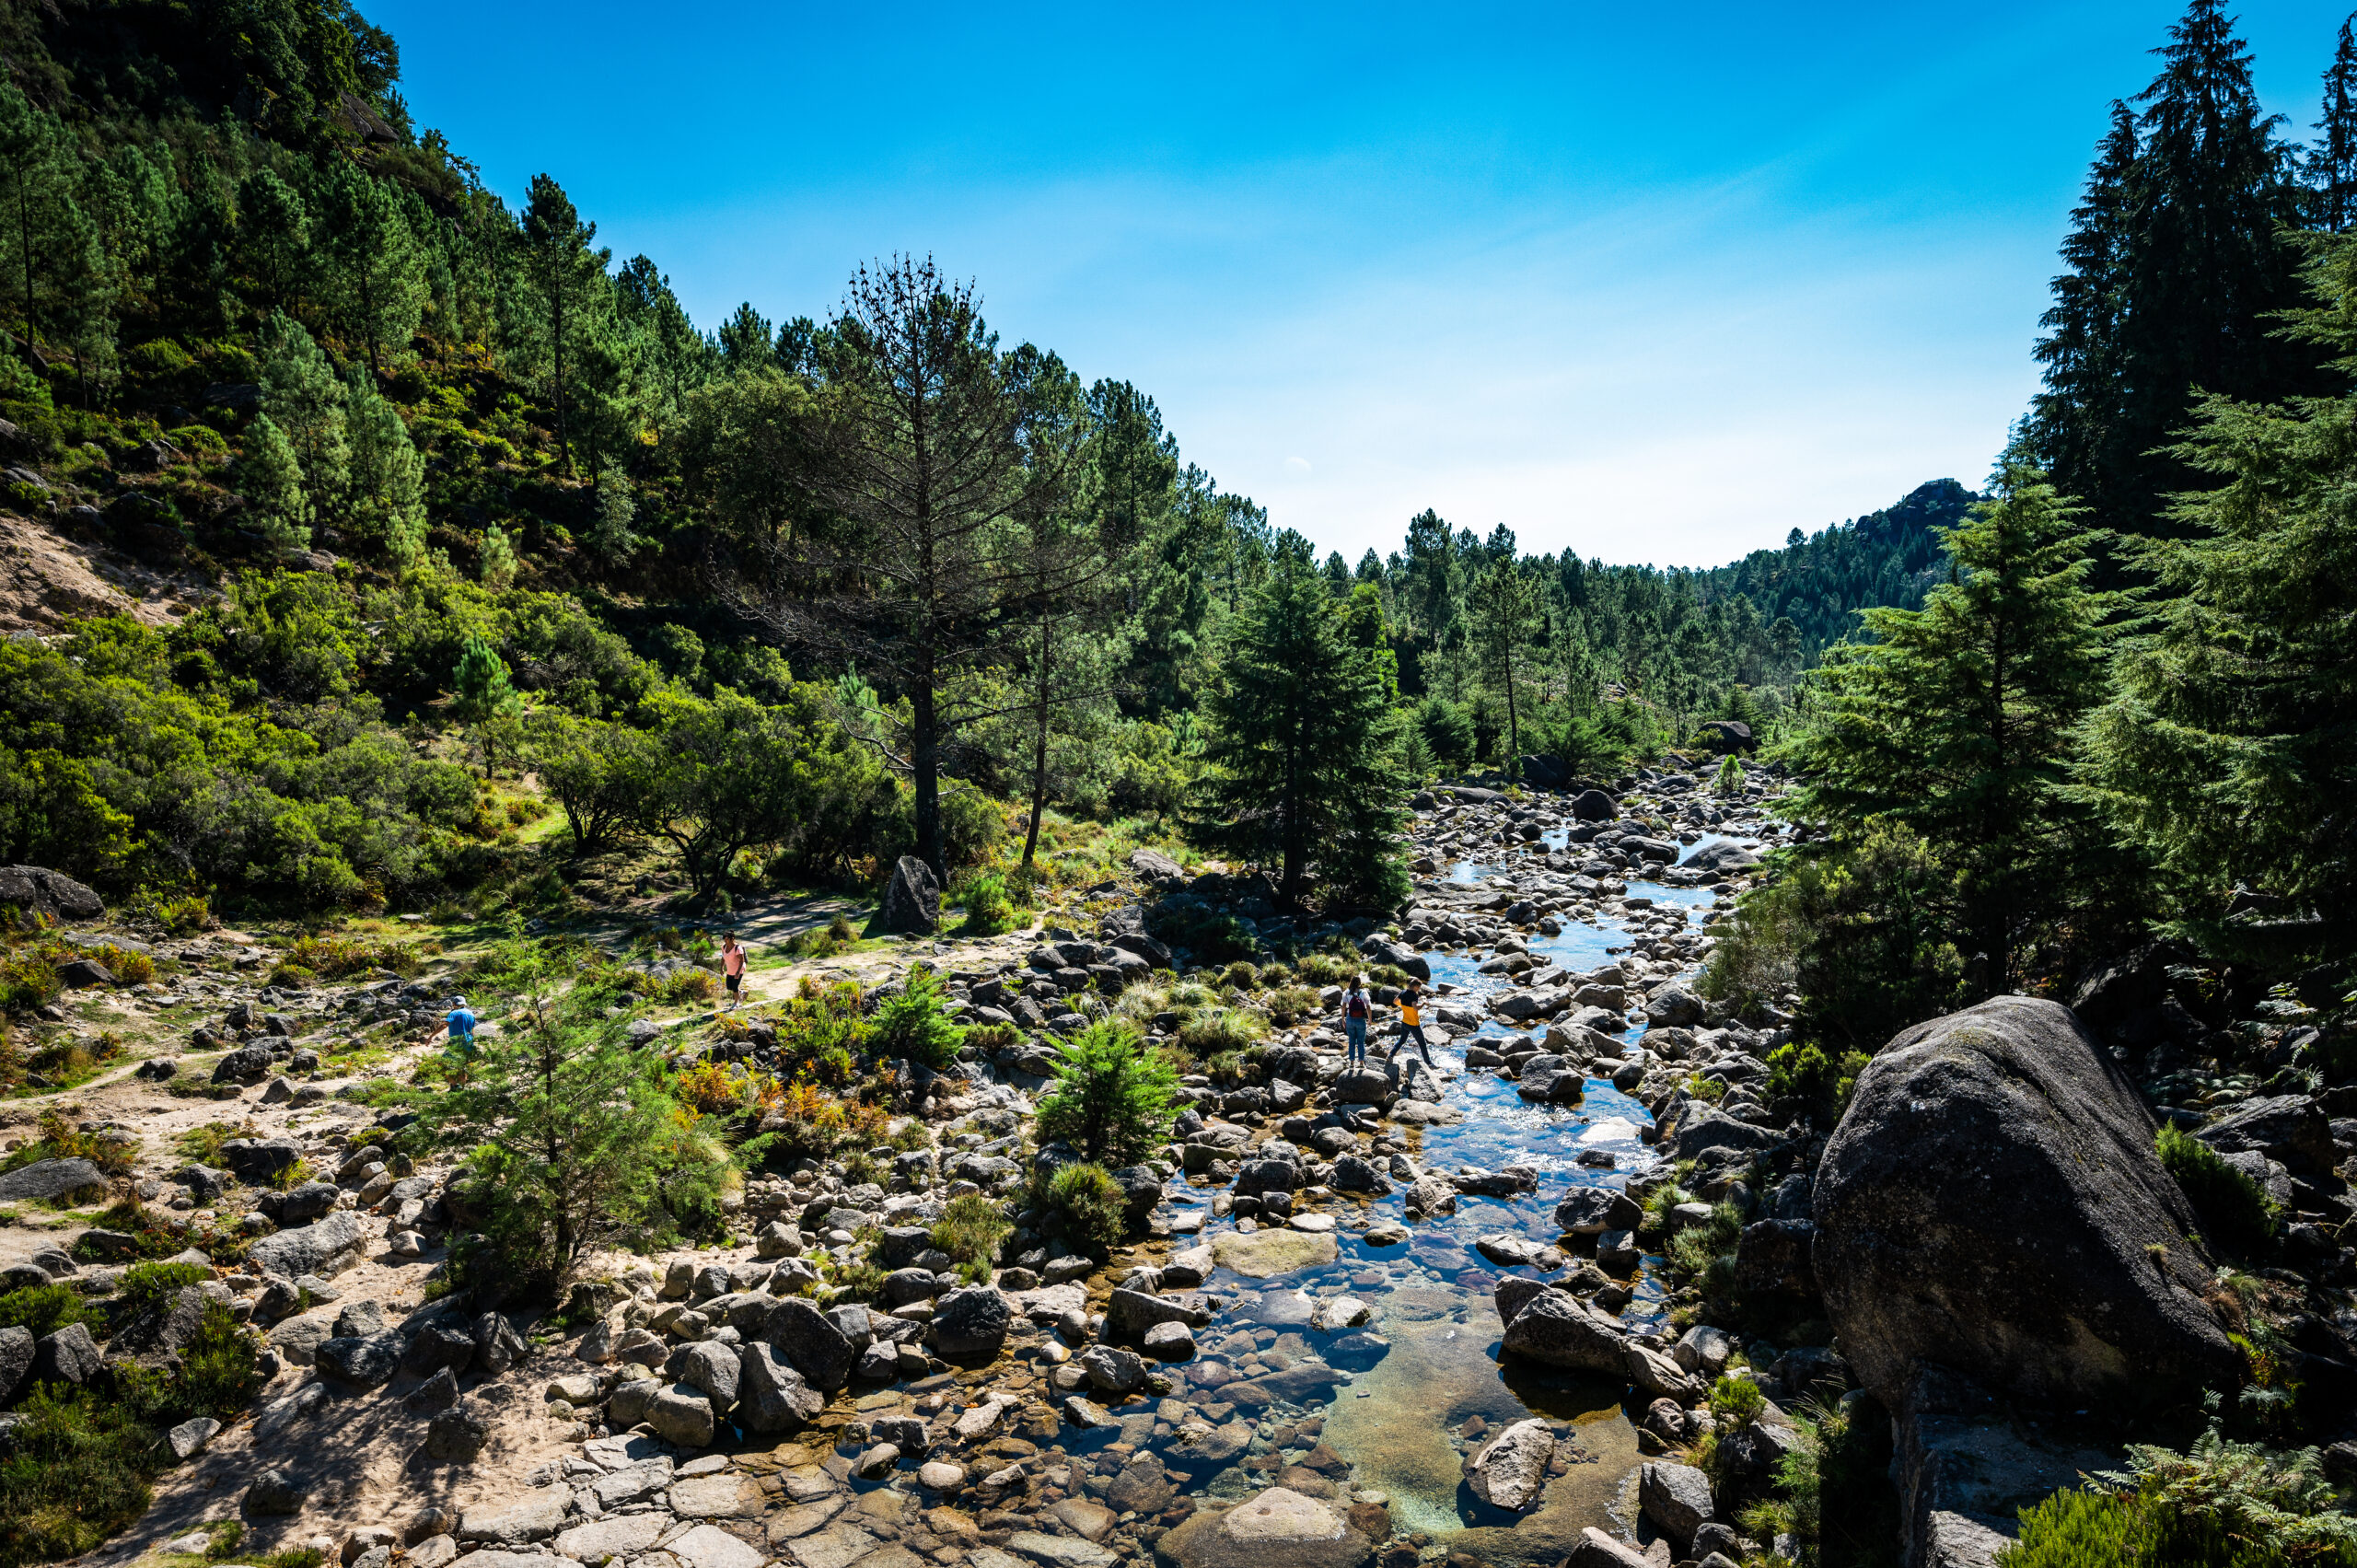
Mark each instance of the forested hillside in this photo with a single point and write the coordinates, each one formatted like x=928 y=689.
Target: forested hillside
x=409 y=496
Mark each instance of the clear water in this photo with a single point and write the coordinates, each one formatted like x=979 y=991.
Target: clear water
x=1401 y=1425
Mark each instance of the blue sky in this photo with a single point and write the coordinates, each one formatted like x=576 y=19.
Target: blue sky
x=1656 y=283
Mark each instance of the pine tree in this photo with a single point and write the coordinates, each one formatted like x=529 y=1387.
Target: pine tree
x=610 y=539
x=2072 y=417
x=1960 y=720
x=379 y=272
x=743 y=340
x=47 y=246
x=482 y=699
x=496 y=564
x=274 y=241
x=302 y=392
x=388 y=477
x=2332 y=162
x=1300 y=747
x=563 y=277
x=2228 y=752
x=272 y=479
x=2177 y=268
x=1504 y=613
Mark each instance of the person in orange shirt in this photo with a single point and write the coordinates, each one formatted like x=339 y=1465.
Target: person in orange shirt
x=1411 y=1021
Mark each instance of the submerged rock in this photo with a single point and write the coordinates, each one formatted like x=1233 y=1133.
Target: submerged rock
x=1276 y=1529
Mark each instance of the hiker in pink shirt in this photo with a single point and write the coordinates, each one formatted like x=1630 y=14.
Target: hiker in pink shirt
x=732 y=965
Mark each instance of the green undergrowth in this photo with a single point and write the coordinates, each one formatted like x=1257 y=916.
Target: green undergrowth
x=2235 y=1210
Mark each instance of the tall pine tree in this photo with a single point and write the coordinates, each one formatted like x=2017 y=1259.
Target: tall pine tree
x=1303 y=777
x=2178 y=264
x=2230 y=748
x=1960 y=720
x=2332 y=162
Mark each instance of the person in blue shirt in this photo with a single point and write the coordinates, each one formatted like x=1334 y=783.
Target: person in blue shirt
x=462 y=1028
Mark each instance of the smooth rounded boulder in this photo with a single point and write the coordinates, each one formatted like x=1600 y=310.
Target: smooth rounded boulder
x=1990 y=1203
x=1274 y=1528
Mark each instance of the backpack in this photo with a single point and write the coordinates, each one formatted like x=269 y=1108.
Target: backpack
x=1354 y=1005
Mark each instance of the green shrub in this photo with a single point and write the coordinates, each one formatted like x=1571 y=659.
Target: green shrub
x=219 y=1371
x=1833 y=1491
x=2219 y=1504
x=43 y=1309
x=1083 y=1203
x=1217 y=1030
x=148 y=1289
x=2235 y=1210
x=988 y=910
x=1112 y=1096
x=992 y=1039
x=1736 y=1403
x=970 y=1229
x=1863 y=934
x=76 y=1472
x=913 y=1025
x=1292 y=1005
x=1806 y=1072
x=688 y=985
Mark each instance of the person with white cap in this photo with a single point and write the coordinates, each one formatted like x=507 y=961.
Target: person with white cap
x=461 y=1020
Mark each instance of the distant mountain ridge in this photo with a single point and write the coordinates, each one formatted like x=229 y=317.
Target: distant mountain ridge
x=1820 y=582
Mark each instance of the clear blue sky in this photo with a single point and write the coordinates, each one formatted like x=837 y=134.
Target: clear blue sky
x=1655 y=282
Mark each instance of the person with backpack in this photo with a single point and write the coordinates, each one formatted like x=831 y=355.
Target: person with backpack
x=1411 y=1021
x=1356 y=1010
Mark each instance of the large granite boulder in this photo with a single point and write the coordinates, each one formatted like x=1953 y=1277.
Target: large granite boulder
x=812 y=1345
x=1595 y=805
x=1990 y=1203
x=911 y=899
x=772 y=1396
x=51 y=894
x=50 y=1178
x=1557 y=1329
x=1722 y=856
x=972 y=1322
x=1510 y=1471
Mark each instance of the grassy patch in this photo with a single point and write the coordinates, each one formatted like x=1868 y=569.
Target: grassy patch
x=62 y=1138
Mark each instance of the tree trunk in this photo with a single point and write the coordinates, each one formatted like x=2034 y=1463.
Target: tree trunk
x=924 y=766
x=1513 y=728
x=1038 y=750
x=25 y=238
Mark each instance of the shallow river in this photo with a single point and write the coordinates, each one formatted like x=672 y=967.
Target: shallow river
x=1401 y=1424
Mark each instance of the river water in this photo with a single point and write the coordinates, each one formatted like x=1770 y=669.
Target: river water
x=1406 y=1425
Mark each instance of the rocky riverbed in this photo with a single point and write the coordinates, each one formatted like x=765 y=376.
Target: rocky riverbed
x=1409 y=1313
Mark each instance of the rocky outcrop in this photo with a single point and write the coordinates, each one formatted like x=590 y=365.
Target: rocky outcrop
x=1990 y=1203
x=2292 y=1130
x=327 y=1248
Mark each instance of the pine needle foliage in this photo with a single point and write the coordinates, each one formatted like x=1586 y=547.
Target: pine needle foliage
x=1960 y=720
x=1302 y=748
x=2229 y=749
x=1112 y=1098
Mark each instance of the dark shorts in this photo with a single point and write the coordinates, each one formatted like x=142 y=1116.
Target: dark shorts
x=734 y=981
